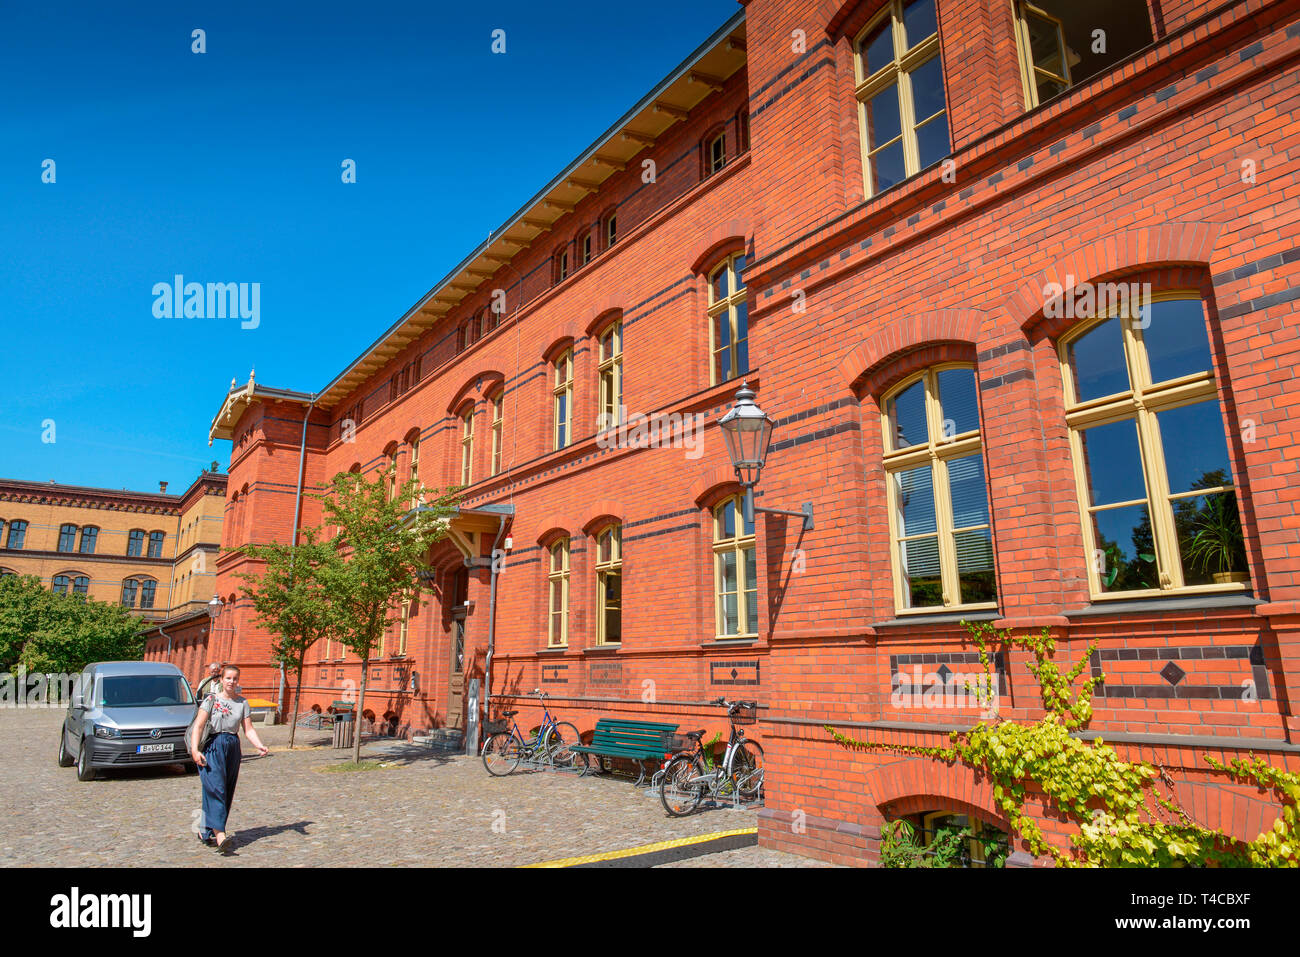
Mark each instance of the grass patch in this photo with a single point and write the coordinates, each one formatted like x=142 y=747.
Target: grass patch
x=344 y=766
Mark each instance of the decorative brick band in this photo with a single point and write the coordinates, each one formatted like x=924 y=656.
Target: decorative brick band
x=734 y=672
x=1173 y=675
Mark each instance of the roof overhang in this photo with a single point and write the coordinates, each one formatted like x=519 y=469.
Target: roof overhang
x=240 y=397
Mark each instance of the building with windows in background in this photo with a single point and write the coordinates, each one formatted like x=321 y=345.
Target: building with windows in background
x=153 y=553
x=1016 y=282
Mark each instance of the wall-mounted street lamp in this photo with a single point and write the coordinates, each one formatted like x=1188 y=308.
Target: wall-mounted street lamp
x=214 y=609
x=747 y=430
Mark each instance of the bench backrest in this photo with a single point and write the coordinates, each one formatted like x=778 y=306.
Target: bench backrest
x=616 y=731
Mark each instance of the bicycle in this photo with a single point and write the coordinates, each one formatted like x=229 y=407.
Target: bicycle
x=686 y=778
x=504 y=747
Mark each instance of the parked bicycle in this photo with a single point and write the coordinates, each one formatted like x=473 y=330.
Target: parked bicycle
x=504 y=746
x=686 y=778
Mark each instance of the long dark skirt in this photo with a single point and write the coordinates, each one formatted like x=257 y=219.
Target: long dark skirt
x=219 y=778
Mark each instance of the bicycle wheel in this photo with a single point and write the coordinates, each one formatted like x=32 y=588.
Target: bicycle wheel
x=558 y=741
x=501 y=753
x=747 y=769
x=682 y=790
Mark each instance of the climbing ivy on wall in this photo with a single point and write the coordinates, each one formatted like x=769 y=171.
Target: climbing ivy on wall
x=1125 y=817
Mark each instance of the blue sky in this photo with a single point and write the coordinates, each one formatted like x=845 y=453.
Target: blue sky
x=225 y=167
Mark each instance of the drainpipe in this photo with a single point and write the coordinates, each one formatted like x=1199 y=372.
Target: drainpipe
x=169 y=643
x=297 y=500
x=492 y=620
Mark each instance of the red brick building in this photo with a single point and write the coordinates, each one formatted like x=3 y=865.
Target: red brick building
x=1013 y=281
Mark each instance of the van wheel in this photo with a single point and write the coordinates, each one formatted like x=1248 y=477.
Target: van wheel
x=65 y=759
x=84 y=771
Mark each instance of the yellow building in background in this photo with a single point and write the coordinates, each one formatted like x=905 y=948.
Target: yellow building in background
x=152 y=552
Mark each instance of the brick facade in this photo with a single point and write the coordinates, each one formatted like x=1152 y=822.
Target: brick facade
x=1175 y=167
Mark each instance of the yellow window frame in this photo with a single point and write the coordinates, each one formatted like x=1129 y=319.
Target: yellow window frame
x=609 y=562
x=557 y=624
x=563 y=396
x=738 y=544
x=610 y=374
x=726 y=309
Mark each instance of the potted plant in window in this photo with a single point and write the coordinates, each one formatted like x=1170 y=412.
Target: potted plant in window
x=1216 y=546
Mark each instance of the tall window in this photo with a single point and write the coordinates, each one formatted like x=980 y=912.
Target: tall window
x=611 y=229
x=715 y=156
x=67 y=538
x=147 y=588
x=392 y=475
x=467 y=445
x=562 y=265
x=557 y=629
x=498 y=402
x=415 y=468
x=735 y=571
x=404 y=628
x=609 y=586
x=155 y=544
x=60 y=585
x=17 y=533
x=942 y=544
x=728 y=320
x=584 y=249
x=610 y=412
x=89 y=536
x=80 y=585
x=1156 y=491
x=1064 y=42
x=135 y=543
x=563 y=390
x=900 y=94
x=129 y=588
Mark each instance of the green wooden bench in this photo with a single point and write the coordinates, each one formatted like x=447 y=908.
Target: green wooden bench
x=638 y=741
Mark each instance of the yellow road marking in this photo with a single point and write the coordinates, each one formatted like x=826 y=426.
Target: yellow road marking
x=643 y=849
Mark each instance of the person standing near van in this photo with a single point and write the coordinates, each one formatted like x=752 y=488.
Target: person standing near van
x=212 y=683
x=223 y=711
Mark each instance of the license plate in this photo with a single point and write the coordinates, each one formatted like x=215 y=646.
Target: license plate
x=153 y=748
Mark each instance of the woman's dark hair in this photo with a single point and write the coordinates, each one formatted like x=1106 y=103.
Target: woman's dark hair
x=225 y=668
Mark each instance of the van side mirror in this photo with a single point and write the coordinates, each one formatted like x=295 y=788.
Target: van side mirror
x=78 y=703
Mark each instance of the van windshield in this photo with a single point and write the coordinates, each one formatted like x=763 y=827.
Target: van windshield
x=144 y=691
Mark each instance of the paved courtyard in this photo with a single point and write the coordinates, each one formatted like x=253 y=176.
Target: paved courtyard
x=423 y=810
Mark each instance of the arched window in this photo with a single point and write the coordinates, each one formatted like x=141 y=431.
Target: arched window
x=17 y=533
x=561 y=267
x=609 y=586
x=61 y=584
x=391 y=472
x=563 y=392
x=584 y=248
x=498 y=403
x=89 y=536
x=728 y=320
x=404 y=628
x=941 y=540
x=557 y=629
x=129 y=589
x=467 y=444
x=1151 y=460
x=81 y=585
x=715 y=152
x=147 y=589
x=135 y=539
x=610 y=410
x=899 y=77
x=155 y=544
x=735 y=571
x=611 y=229
x=67 y=538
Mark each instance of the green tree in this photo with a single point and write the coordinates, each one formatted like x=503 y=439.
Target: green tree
x=291 y=601
x=49 y=632
x=384 y=545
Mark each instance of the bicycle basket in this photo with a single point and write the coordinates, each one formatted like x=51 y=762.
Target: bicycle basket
x=495 y=727
x=677 y=742
x=744 y=714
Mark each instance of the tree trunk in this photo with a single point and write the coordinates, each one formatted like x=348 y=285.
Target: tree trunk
x=297 y=697
x=361 y=703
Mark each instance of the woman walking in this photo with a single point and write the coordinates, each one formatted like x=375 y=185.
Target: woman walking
x=223 y=711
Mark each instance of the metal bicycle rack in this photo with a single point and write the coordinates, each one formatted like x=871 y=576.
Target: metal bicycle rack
x=711 y=796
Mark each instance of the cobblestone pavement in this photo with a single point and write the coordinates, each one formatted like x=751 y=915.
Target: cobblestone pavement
x=421 y=810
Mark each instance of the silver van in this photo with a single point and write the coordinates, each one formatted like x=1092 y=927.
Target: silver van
x=127 y=714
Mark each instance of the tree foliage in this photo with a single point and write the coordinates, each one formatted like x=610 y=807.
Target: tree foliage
x=46 y=631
